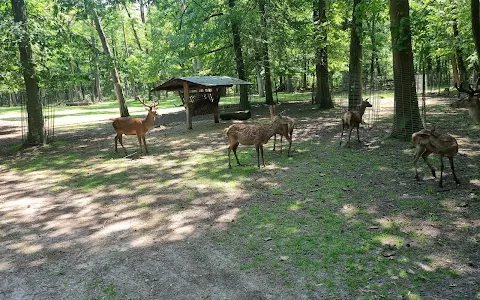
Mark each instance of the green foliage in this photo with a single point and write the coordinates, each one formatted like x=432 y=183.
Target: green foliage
x=197 y=39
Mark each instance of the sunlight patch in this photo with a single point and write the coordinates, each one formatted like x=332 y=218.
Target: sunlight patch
x=349 y=210
x=228 y=216
x=143 y=241
x=180 y=233
x=390 y=240
x=5 y=265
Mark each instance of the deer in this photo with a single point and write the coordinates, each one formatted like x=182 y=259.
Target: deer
x=353 y=119
x=135 y=126
x=428 y=141
x=285 y=130
x=250 y=134
x=472 y=101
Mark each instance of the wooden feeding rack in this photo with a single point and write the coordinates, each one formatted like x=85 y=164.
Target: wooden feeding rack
x=200 y=95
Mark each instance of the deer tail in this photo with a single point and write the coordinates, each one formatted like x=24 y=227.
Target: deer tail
x=225 y=131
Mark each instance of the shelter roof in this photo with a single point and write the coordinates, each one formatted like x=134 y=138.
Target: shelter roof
x=199 y=82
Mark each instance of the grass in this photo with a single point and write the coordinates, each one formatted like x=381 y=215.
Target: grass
x=332 y=221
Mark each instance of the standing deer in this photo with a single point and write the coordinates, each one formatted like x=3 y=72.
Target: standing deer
x=285 y=130
x=135 y=126
x=249 y=134
x=430 y=141
x=472 y=102
x=353 y=119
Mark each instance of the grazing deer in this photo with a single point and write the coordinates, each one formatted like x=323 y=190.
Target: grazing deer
x=430 y=141
x=135 y=126
x=472 y=102
x=249 y=134
x=353 y=119
x=285 y=130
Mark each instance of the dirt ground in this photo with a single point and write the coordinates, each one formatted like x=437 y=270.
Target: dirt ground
x=102 y=244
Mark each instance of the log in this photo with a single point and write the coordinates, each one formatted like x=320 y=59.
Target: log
x=236 y=115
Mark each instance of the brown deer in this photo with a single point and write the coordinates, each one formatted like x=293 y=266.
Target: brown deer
x=135 y=126
x=353 y=119
x=249 y=134
x=285 y=130
x=472 y=101
x=430 y=141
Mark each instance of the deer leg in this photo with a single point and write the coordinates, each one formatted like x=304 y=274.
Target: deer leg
x=261 y=151
x=257 y=147
x=358 y=135
x=415 y=161
x=120 y=139
x=234 y=148
x=229 y=150
x=343 y=127
x=274 y=141
x=289 y=145
x=145 y=144
x=453 y=170
x=139 y=137
x=349 y=134
x=425 y=158
x=441 y=171
x=281 y=143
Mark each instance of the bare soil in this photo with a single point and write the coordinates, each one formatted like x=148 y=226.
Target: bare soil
x=150 y=235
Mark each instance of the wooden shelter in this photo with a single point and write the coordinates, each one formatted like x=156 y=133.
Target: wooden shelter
x=202 y=93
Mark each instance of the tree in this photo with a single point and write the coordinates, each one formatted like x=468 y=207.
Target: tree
x=458 y=52
x=475 y=5
x=355 y=65
x=35 y=135
x=323 y=97
x=237 y=47
x=264 y=51
x=115 y=77
x=407 y=115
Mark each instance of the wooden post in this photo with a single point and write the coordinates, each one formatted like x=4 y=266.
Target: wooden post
x=186 y=102
x=216 y=100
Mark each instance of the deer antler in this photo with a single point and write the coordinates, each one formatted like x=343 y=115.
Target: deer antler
x=470 y=91
x=141 y=101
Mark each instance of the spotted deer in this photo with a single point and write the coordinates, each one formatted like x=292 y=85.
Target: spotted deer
x=353 y=119
x=250 y=134
x=285 y=130
x=431 y=141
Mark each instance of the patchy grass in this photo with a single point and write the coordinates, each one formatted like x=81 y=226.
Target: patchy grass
x=330 y=222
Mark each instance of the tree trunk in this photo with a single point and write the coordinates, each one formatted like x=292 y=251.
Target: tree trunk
x=323 y=97
x=475 y=5
x=456 y=77
x=137 y=40
x=116 y=79
x=374 y=63
x=407 y=115
x=289 y=84
x=265 y=58
x=458 y=54
x=35 y=135
x=261 y=90
x=237 y=47
x=355 y=66
x=304 y=75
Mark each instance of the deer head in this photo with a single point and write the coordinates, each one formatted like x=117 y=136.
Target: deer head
x=472 y=101
x=152 y=108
